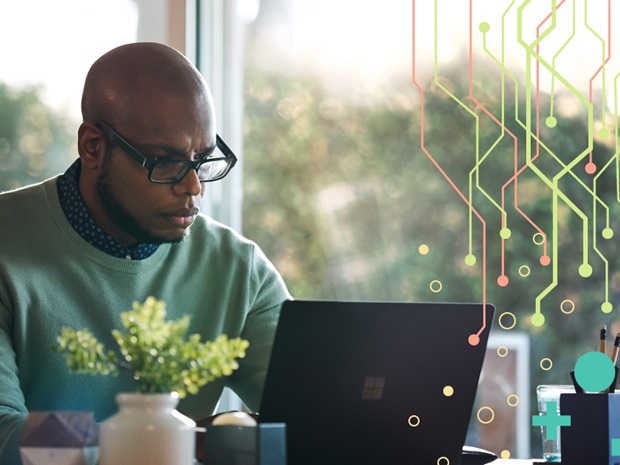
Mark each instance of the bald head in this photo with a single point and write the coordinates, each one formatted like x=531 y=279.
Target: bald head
x=137 y=79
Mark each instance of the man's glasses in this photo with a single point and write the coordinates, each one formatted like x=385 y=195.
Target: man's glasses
x=208 y=169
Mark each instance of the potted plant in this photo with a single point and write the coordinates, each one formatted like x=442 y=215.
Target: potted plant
x=166 y=367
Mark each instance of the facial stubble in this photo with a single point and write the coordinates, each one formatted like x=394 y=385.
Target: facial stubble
x=120 y=215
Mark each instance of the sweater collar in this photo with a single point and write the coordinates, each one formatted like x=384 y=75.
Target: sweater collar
x=84 y=224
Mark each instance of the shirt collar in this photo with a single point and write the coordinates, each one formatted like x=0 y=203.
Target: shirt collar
x=84 y=224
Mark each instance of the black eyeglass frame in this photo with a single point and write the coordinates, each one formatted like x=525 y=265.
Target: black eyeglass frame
x=150 y=164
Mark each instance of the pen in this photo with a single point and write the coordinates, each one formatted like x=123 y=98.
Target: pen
x=614 y=353
x=578 y=388
x=612 y=388
x=601 y=342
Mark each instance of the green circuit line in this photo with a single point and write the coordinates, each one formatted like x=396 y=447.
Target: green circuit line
x=589 y=223
x=585 y=269
x=603 y=103
x=564 y=45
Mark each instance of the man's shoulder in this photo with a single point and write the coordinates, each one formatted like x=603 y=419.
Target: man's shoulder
x=26 y=208
x=24 y=193
x=214 y=230
x=210 y=238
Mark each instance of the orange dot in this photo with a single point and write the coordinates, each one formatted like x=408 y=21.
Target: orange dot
x=502 y=280
x=590 y=168
x=473 y=339
x=545 y=260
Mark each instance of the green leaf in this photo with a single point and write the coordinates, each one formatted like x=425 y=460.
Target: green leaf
x=155 y=351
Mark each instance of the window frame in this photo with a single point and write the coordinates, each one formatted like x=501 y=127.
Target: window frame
x=214 y=42
x=214 y=38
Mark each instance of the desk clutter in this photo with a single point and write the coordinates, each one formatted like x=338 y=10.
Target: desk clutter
x=589 y=418
x=71 y=438
x=583 y=429
x=60 y=438
x=593 y=436
x=263 y=444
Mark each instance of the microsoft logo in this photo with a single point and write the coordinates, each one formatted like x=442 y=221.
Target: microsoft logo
x=373 y=388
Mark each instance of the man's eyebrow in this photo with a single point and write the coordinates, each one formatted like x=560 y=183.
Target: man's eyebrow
x=206 y=153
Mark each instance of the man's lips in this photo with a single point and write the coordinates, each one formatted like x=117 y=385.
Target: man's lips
x=183 y=217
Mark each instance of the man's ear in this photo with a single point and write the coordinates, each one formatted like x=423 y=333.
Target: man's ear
x=91 y=145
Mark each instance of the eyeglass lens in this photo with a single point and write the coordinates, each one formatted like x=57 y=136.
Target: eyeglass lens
x=209 y=171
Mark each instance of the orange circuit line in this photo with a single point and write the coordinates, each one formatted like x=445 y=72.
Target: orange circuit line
x=450 y=181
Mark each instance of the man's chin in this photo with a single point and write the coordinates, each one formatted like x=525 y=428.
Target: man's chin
x=171 y=239
x=178 y=240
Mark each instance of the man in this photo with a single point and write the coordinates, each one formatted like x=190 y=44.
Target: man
x=78 y=249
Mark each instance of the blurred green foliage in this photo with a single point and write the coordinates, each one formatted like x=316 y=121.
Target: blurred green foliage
x=340 y=194
x=36 y=141
x=155 y=350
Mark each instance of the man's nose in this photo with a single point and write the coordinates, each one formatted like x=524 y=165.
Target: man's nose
x=189 y=184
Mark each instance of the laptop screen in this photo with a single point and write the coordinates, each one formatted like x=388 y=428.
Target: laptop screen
x=375 y=382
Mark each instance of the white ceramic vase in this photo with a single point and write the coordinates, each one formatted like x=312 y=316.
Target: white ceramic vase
x=147 y=430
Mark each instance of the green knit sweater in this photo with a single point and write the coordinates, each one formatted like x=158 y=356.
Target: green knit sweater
x=50 y=277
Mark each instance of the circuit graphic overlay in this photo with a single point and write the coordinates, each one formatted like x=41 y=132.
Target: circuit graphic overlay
x=556 y=57
x=537 y=36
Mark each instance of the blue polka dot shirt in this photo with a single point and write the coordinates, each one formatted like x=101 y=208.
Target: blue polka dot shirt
x=84 y=224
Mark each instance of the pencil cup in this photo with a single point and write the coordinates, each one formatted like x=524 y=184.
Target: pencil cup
x=545 y=393
x=593 y=436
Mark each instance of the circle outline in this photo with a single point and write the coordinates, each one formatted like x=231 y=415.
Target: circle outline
x=567 y=312
x=550 y=364
x=490 y=410
x=437 y=282
x=514 y=323
x=409 y=421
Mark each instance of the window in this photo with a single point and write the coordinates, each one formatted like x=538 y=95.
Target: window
x=48 y=49
x=359 y=189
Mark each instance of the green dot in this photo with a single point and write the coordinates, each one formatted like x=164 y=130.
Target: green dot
x=551 y=122
x=484 y=27
x=608 y=233
x=585 y=270
x=594 y=371
x=470 y=260
x=603 y=133
x=607 y=307
x=538 y=319
x=505 y=233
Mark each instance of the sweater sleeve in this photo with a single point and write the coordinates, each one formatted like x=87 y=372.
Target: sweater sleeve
x=267 y=292
x=13 y=411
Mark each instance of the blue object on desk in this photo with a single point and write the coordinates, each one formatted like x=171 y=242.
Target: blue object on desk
x=264 y=444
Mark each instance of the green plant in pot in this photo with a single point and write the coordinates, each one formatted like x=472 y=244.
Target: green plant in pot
x=166 y=366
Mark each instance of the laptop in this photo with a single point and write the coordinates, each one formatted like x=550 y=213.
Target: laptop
x=365 y=383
